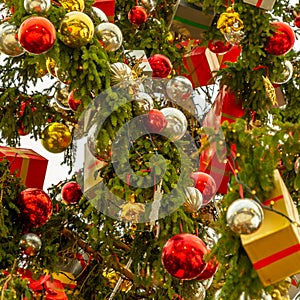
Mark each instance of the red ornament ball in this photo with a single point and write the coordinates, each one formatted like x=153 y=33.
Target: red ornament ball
x=210 y=270
x=297 y=21
x=205 y=184
x=219 y=47
x=161 y=65
x=37 y=35
x=156 y=121
x=138 y=15
x=182 y=256
x=73 y=102
x=71 y=192
x=35 y=207
x=282 y=40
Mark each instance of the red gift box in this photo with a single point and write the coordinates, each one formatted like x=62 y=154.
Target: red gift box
x=226 y=108
x=28 y=165
x=201 y=64
x=108 y=7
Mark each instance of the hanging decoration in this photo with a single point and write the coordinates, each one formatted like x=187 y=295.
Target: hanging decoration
x=161 y=65
x=138 y=15
x=37 y=6
x=109 y=35
x=30 y=244
x=193 y=200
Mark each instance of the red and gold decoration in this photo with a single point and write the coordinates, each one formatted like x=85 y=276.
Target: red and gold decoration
x=183 y=256
x=263 y=4
x=76 y=29
x=244 y=216
x=205 y=184
x=71 y=192
x=282 y=39
x=30 y=244
x=137 y=15
x=155 y=121
x=109 y=35
x=37 y=35
x=9 y=44
x=161 y=65
x=73 y=101
x=56 y=137
x=210 y=270
x=26 y=164
x=35 y=207
x=219 y=47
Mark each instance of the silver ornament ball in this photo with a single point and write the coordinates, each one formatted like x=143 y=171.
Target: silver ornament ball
x=37 y=6
x=193 y=199
x=179 y=88
x=30 y=244
x=142 y=104
x=119 y=72
x=244 y=216
x=109 y=35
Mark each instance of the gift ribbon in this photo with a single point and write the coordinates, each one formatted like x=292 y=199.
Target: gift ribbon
x=26 y=154
x=259 y=3
x=191 y=23
x=276 y=256
x=277 y=198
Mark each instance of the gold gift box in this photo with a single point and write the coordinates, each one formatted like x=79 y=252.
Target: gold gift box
x=274 y=249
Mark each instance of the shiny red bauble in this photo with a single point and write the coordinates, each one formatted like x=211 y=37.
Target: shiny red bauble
x=35 y=207
x=297 y=21
x=138 y=15
x=183 y=256
x=219 y=47
x=161 y=65
x=205 y=184
x=210 y=270
x=71 y=192
x=156 y=121
x=37 y=35
x=282 y=40
x=73 y=102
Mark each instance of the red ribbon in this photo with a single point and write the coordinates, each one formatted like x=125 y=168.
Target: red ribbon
x=277 y=198
x=276 y=256
x=259 y=2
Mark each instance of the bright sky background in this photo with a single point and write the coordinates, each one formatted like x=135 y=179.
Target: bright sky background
x=55 y=171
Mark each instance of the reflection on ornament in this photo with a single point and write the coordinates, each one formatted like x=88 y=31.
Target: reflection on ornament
x=71 y=192
x=287 y=72
x=210 y=237
x=193 y=200
x=109 y=35
x=30 y=244
x=282 y=40
x=219 y=47
x=99 y=14
x=142 y=103
x=176 y=123
x=149 y=4
x=183 y=256
x=37 y=35
x=210 y=270
x=137 y=15
x=296 y=165
x=9 y=44
x=244 y=216
x=206 y=185
x=161 y=65
x=119 y=72
x=72 y=5
x=73 y=102
x=207 y=283
x=50 y=65
x=200 y=292
x=76 y=29
x=61 y=97
x=35 y=207
x=179 y=88
x=297 y=21
x=234 y=37
x=155 y=121
x=37 y=6
x=56 y=137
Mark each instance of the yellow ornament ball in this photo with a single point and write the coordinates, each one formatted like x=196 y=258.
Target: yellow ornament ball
x=56 y=137
x=76 y=29
x=72 y=5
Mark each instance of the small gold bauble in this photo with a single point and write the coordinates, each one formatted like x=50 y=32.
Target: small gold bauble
x=72 y=5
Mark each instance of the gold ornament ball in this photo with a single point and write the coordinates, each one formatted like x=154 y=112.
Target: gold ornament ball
x=76 y=29
x=119 y=72
x=72 y=5
x=112 y=276
x=56 y=137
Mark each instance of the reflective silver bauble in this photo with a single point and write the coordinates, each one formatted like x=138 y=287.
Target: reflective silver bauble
x=244 y=216
x=30 y=244
x=193 y=199
x=37 y=6
x=142 y=104
x=109 y=35
x=179 y=88
x=287 y=72
x=119 y=72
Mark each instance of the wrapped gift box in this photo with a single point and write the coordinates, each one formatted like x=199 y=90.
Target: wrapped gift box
x=190 y=21
x=264 y=4
x=28 y=165
x=139 y=55
x=274 y=249
x=201 y=64
x=108 y=7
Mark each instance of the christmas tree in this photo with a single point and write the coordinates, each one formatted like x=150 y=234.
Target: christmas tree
x=178 y=122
